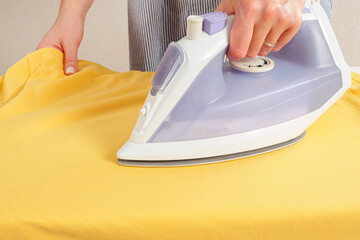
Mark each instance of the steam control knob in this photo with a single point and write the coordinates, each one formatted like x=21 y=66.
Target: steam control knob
x=255 y=65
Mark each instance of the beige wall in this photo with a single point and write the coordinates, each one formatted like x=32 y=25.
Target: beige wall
x=24 y=22
x=347 y=29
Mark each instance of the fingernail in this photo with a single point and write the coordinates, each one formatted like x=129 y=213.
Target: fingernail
x=70 y=70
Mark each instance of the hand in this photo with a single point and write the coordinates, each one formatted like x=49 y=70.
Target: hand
x=65 y=35
x=67 y=32
x=276 y=21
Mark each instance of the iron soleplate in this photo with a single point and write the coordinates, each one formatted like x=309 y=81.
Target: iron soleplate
x=200 y=161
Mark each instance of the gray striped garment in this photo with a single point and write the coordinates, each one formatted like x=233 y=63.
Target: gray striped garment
x=153 y=24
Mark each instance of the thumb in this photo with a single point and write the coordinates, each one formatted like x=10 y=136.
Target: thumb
x=70 y=59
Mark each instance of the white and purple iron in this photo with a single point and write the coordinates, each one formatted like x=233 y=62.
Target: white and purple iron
x=202 y=108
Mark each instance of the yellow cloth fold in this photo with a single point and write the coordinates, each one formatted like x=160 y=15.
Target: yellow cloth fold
x=59 y=177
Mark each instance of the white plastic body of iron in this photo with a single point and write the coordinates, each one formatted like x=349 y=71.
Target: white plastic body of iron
x=197 y=54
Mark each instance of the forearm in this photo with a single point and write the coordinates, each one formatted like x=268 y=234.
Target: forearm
x=77 y=8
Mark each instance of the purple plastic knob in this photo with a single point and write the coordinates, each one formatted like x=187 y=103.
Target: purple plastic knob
x=214 y=22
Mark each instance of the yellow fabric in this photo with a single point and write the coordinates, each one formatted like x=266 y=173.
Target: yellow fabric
x=59 y=177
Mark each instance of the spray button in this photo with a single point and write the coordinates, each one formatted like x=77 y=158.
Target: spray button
x=143 y=111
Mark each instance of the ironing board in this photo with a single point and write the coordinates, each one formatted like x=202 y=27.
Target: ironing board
x=59 y=176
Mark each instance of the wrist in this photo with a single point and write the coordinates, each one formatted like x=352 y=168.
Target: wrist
x=75 y=9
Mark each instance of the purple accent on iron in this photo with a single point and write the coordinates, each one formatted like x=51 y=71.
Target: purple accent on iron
x=153 y=91
x=214 y=22
x=222 y=101
x=168 y=67
x=306 y=10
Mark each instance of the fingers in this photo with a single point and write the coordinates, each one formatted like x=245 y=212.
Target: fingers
x=271 y=38
x=279 y=37
x=285 y=38
x=257 y=21
x=70 y=59
x=225 y=7
x=240 y=38
x=258 y=38
x=66 y=35
x=45 y=43
x=70 y=55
